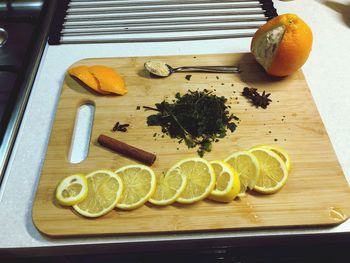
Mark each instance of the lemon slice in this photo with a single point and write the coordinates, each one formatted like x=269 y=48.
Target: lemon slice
x=227 y=184
x=105 y=189
x=247 y=166
x=279 y=151
x=200 y=179
x=139 y=184
x=169 y=187
x=72 y=190
x=273 y=175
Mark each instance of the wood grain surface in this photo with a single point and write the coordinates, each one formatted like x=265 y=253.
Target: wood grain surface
x=316 y=192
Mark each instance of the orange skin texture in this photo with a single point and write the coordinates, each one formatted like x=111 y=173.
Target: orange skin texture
x=294 y=48
x=83 y=74
x=101 y=79
x=109 y=79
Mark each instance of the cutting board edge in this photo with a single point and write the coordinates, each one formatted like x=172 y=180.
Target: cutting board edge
x=310 y=226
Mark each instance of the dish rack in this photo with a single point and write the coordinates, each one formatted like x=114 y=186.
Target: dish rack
x=123 y=21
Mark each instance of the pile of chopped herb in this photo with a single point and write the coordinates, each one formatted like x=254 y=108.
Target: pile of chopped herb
x=198 y=118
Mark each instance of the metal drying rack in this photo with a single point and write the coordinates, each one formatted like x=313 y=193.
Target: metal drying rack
x=123 y=21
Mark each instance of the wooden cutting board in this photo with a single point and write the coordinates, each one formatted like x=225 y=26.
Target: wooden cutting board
x=316 y=192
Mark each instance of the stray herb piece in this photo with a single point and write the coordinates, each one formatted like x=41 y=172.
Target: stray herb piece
x=120 y=127
x=138 y=108
x=188 y=77
x=258 y=100
x=198 y=118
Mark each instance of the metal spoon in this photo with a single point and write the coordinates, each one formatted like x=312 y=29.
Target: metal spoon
x=163 y=70
x=3 y=36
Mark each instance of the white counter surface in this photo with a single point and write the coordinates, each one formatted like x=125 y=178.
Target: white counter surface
x=327 y=72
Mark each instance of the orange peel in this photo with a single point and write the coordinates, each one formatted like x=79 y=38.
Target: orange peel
x=110 y=80
x=82 y=73
x=101 y=79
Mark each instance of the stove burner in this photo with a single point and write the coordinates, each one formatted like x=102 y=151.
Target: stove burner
x=13 y=58
x=3 y=36
x=17 y=48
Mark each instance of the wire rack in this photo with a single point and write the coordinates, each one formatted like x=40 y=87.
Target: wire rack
x=121 y=21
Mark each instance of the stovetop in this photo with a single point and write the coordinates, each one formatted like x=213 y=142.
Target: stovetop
x=13 y=58
x=23 y=21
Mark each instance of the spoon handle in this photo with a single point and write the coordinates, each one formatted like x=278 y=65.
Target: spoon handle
x=212 y=69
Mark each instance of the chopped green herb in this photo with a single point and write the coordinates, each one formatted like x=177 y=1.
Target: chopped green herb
x=198 y=118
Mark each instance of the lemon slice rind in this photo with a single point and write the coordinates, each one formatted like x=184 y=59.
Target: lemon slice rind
x=279 y=184
x=279 y=151
x=67 y=183
x=170 y=199
x=144 y=198
x=232 y=188
x=207 y=189
x=252 y=178
x=112 y=205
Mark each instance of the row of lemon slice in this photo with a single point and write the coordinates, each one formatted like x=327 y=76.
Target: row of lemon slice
x=263 y=168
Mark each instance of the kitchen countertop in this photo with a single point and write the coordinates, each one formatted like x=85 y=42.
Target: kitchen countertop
x=327 y=73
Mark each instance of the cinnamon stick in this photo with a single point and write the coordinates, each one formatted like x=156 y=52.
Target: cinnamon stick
x=127 y=150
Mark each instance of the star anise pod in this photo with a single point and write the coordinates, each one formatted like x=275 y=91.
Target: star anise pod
x=258 y=100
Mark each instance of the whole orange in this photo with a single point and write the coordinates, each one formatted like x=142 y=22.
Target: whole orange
x=282 y=45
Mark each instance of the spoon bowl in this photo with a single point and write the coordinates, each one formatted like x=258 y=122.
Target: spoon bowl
x=163 y=70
